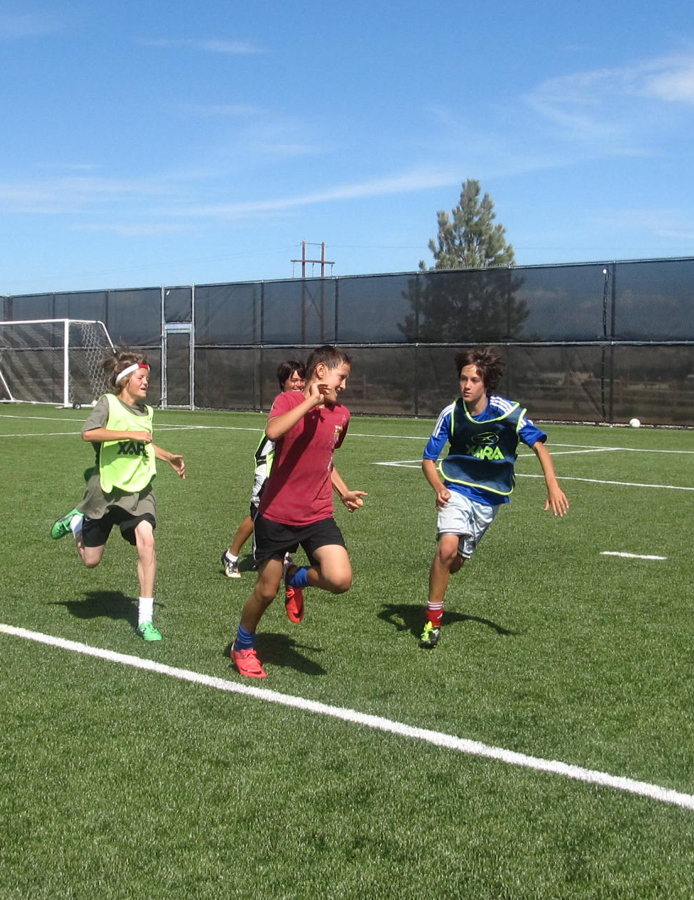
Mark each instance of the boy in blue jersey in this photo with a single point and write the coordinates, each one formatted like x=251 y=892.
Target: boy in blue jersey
x=477 y=476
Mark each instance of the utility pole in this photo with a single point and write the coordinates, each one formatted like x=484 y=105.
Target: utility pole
x=323 y=262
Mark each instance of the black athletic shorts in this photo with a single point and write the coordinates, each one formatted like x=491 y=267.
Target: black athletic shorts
x=271 y=540
x=95 y=532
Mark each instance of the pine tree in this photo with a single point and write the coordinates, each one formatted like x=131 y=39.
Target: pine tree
x=467 y=238
x=467 y=306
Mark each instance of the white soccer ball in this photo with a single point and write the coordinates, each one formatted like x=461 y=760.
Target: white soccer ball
x=635 y=423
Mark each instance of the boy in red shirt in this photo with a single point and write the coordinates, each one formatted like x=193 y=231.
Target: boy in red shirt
x=297 y=504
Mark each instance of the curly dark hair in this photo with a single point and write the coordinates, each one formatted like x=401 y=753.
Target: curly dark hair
x=489 y=364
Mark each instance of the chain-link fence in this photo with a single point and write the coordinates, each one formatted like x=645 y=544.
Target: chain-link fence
x=595 y=342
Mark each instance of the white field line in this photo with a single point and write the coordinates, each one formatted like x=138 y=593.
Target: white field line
x=579 y=448
x=43 y=434
x=629 y=555
x=402 y=437
x=417 y=463
x=573 y=452
x=402 y=463
x=439 y=739
x=408 y=463
x=624 y=449
x=414 y=464
x=39 y=418
x=160 y=427
x=522 y=455
x=664 y=487
x=157 y=429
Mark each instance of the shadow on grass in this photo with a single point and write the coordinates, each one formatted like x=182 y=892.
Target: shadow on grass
x=284 y=652
x=410 y=617
x=98 y=604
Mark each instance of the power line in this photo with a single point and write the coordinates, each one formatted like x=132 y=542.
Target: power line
x=323 y=262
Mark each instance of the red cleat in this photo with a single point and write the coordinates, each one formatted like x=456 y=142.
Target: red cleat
x=294 y=603
x=293 y=597
x=248 y=664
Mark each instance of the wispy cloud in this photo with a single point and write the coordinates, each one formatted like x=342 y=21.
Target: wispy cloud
x=615 y=105
x=594 y=114
x=211 y=45
x=69 y=167
x=223 y=110
x=671 y=81
x=143 y=229
x=260 y=137
x=26 y=25
x=670 y=223
x=277 y=149
x=61 y=195
x=246 y=138
x=406 y=182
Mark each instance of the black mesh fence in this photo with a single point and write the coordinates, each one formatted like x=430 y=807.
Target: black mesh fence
x=595 y=342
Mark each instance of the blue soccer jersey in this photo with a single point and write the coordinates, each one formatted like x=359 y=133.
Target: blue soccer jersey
x=498 y=408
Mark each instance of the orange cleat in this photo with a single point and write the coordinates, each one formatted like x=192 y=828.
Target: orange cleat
x=248 y=664
x=294 y=603
x=293 y=597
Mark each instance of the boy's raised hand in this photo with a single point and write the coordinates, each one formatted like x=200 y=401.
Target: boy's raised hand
x=318 y=392
x=353 y=499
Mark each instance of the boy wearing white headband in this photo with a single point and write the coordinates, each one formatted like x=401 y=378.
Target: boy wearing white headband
x=119 y=487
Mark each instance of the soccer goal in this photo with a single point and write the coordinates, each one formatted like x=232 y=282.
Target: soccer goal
x=54 y=361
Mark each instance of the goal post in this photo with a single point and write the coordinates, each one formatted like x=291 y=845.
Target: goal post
x=53 y=361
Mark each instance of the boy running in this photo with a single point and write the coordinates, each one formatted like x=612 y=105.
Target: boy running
x=119 y=489
x=296 y=508
x=291 y=376
x=477 y=476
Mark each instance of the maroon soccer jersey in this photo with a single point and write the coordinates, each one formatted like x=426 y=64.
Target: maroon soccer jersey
x=299 y=490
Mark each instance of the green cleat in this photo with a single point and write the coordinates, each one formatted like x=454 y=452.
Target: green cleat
x=62 y=526
x=148 y=632
x=430 y=636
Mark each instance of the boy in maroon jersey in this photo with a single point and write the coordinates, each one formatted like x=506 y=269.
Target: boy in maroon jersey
x=297 y=504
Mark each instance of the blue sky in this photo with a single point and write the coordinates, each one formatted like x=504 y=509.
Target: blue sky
x=148 y=143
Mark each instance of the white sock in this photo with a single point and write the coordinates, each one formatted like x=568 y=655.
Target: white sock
x=76 y=523
x=230 y=556
x=145 y=610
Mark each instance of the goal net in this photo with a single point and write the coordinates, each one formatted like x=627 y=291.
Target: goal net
x=54 y=361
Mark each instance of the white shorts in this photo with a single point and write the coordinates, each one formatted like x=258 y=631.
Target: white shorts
x=259 y=479
x=466 y=518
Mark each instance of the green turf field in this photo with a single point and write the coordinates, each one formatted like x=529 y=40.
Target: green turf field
x=119 y=782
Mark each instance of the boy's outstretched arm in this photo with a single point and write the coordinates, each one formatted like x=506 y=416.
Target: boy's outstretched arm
x=351 y=499
x=101 y=435
x=175 y=460
x=556 y=498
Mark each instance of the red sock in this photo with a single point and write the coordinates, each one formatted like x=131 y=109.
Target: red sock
x=435 y=614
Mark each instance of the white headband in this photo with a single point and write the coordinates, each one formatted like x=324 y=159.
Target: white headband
x=129 y=370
